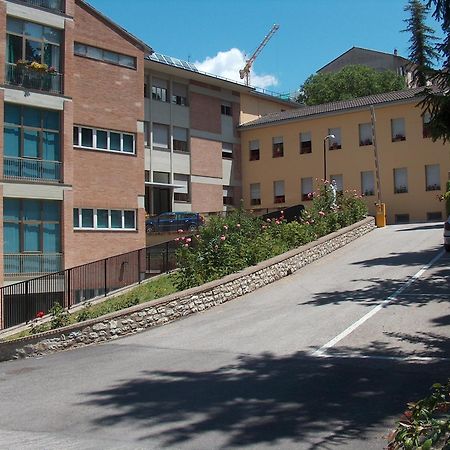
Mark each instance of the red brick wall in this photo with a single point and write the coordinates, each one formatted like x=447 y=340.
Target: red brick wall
x=207 y=197
x=205 y=113
x=206 y=158
x=104 y=96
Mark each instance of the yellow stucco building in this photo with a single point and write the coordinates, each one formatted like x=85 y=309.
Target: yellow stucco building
x=285 y=155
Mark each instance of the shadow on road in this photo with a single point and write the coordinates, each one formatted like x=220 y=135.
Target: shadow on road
x=319 y=402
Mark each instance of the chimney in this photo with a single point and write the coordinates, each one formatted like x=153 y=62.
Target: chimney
x=395 y=52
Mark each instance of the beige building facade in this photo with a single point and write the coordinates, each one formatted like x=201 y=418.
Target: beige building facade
x=283 y=156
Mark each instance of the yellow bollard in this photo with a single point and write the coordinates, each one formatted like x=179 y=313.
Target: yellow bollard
x=380 y=217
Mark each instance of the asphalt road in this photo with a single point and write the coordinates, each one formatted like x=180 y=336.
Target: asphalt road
x=325 y=358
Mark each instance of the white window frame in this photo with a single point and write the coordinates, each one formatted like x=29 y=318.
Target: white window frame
x=109 y=228
x=108 y=140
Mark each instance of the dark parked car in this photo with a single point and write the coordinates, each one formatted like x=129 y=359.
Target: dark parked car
x=173 y=221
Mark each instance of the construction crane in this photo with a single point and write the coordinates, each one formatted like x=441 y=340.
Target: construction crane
x=245 y=72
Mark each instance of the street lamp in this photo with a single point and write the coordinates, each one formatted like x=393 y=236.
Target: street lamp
x=329 y=136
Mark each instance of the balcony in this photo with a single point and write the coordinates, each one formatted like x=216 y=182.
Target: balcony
x=51 y=5
x=28 y=78
x=31 y=264
x=32 y=169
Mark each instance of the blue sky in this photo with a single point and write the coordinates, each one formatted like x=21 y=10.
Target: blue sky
x=216 y=34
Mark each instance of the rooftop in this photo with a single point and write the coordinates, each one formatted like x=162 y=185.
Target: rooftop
x=343 y=105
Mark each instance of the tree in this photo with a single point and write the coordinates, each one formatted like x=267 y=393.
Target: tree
x=350 y=82
x=421 y=51
x=437 y=100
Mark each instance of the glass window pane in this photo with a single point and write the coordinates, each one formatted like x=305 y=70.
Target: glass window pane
x=95 y=53
x=33 y=50
x=11 y=237
x=11 y=141
x=51 y=211
x=127 y=61
x=102 y=139
x=102 y=218
x=50 y=146
x=33 y=29
x=86 y=137
x=30 y=143
x=128 y=140
x=51 y=120
x=52 y=35
x=129 y=219
x=76 y=137
x=51 y=237
x=14 y=25
x=11 y=209
x=51 y=56
x=79 y=49
x=13 y=49
x=114 y=141
x=31 y=210
x=76 y=217
x=31 y=237
x=116 y=219
x=111 y=57
x=12 y=114
x=87 y=218
x=32 y=117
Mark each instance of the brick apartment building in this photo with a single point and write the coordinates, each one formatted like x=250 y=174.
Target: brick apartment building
x=71 y=119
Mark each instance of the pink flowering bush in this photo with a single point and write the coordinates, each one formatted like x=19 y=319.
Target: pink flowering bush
x=226 y=245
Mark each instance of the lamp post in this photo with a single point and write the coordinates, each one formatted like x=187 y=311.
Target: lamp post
x=326 y=138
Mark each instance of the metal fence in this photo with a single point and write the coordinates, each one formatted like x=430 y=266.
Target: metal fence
x=21 y=302
x=18 y=75
x=32 y=169
x=53 y=5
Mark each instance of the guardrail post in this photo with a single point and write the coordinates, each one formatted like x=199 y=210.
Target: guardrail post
x=69 y=291
x=106 y=279
x=27 y=303
x=139 y=266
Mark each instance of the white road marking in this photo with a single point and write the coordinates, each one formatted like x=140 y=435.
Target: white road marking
x=384 y=357
x=321 y=351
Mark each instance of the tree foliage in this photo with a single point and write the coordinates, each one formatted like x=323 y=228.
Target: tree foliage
x=422 y=52
x=437 y=100
x=350 y=82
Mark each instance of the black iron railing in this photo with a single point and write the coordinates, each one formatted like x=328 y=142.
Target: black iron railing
x=32 y=169
x=26 y=77
x=52 y=5
x=21 y=302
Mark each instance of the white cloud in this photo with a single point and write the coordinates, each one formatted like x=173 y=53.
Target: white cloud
x=227 y=64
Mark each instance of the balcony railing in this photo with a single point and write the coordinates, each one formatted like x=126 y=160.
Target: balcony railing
x=32 y=169
x=52 y=5
x=23 y=76
x=31 y=265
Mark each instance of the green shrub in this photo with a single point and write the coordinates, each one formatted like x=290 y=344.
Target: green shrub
x=228 y=245
x=60 y=317
x=447 y=199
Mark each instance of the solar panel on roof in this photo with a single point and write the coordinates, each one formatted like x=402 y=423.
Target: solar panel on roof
x=159 y=57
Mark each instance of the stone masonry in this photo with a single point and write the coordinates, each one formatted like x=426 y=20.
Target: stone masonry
x=181 y=304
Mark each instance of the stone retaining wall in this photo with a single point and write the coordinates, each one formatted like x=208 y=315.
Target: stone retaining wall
x=182 y=304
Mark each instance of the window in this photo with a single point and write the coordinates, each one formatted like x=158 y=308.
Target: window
x=254 y=150
x=104 y=219
x=305 y=143
x=31 y=143
x=179 y=94
x=255 y=194
x=161 y=177
x=227 y=150
x=365 y=134
x=31 y=42
x=277 y=147
x=228 y=195
x=398 y=130
x=434 y=216
x=367 y=183
x=336 y=142
x=146 y=133
x=432 y=177
x=400 y=180
x=180 y=139
x=307 y=189
x=339 y=179
x=225 y=109
x=106 y=56
x=160 y=136
x=159 y=90
x=278 y=191
x=401 y=218
x=31 y=226
x=146 y=91
x=112 y=141
x=181 y=193
x=426 y=118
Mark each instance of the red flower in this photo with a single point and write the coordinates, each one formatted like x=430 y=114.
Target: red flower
x=40 y=314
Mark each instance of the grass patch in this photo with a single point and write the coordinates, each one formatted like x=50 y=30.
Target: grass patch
x=151 y=290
